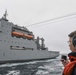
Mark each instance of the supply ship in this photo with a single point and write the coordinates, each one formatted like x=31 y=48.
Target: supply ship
x=18 y=44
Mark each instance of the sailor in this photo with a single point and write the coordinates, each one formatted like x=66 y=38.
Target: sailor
x=70 y=68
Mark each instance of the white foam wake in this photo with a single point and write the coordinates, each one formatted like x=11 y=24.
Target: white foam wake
x=14 y=72
x=41 y=72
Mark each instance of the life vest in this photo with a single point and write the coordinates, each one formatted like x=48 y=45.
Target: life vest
x=70 y=66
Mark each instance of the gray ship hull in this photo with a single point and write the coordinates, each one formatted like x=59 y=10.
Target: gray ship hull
x=14 y=57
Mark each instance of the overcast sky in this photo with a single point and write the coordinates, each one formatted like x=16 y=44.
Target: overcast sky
x=55 y=32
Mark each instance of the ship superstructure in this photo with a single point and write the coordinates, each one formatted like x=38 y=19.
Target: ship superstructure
x=19 y=44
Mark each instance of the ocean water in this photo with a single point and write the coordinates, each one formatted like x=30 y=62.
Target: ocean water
x=42 y=67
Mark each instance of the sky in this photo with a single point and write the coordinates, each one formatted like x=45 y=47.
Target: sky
x=48 y=19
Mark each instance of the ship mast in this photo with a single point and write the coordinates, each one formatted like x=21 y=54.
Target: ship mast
x=4 y=17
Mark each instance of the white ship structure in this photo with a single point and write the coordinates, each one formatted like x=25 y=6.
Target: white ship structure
x=18 y=44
